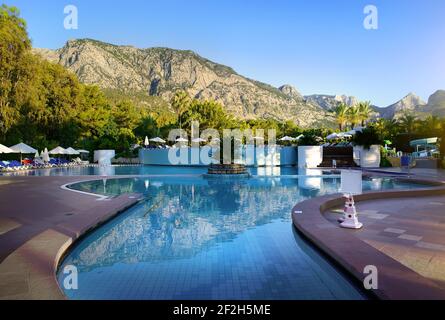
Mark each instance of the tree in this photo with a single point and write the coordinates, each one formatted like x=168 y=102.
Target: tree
x=289 y=128
x=407 y=123
x=341 y=115
x=210 y=115
x=180 y=103
x=365 y=111
x=353 y=116
x=387 y=128
x=431 y=126
x=367 y=137
x=14 y=47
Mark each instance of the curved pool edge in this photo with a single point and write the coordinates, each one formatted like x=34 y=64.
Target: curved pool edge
x=118 y=204
x=61 y=243
x=395 y=280
x=33 y=257
x=323 y=203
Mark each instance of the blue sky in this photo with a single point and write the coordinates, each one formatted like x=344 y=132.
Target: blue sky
x=318 y=46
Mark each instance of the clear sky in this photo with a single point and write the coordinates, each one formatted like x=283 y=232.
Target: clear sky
x=318 y=46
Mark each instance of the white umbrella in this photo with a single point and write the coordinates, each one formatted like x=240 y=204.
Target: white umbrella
x=332 y=136
x=37 y=155
x=5 y=149
x=287 y=138
x=299 y=137
x=344 y=135
x=158 y=140
x=23 y=148
x=58 y=150
x=45 y=155
x=181 y=140
x=146 y=142
x=82 y=151
x=71 y=151
x=135 y=146
x=199 y=140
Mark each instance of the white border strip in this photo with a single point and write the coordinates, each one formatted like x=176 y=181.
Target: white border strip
x=100 y=197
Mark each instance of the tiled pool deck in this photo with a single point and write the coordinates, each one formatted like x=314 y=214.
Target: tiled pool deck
x=38 y=222
x=402 y=236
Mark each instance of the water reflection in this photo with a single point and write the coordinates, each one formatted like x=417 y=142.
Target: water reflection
x=198 y=238
x=180 y=219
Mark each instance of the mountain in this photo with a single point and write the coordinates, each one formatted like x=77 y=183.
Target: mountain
x=290 y=91
x=436 y=104
x=330 y=102
x=162 y=71
x=411 y=103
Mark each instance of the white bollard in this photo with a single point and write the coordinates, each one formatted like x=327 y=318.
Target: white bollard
x=350 y=219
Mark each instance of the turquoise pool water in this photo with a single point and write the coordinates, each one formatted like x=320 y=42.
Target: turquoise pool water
x=194 y=238
x=149 y=170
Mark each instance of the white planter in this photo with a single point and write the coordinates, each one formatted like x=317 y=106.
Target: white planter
x=367 y=158
x=309 y=156
x=103 y=157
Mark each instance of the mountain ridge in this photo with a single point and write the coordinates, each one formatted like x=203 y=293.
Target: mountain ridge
x=163 y=71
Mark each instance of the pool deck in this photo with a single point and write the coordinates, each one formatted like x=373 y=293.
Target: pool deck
x=403 y=234
x=38 y=222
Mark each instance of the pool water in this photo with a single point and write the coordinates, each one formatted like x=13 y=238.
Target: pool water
x=149 y=170
x=198 y=238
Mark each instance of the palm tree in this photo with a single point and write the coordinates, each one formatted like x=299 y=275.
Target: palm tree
x=353 y=116
x=387 y=128
x=341 y=114
x=432 y=124
x=180 y=103
x=365 y=110
x=407 y=123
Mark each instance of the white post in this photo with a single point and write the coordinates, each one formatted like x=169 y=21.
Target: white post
x=351 y=183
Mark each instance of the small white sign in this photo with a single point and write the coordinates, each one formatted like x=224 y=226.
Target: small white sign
x=351 y=182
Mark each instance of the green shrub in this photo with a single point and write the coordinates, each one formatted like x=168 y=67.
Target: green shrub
x=309 y=140
x=367 y=137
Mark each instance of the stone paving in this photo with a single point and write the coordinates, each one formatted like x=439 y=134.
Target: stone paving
x=38 y=222
x=410 y=230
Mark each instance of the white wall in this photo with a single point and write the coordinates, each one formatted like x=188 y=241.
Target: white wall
x=180 y=156
x=309 y=156
x=251 y=156
x=103 y=157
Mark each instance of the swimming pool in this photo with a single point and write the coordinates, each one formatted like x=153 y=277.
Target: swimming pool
x=144 y=170
x=198 y=238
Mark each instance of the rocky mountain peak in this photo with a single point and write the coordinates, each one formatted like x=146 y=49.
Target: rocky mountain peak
x=410 y=100
x=330 y=102
x=437 y=98
x=290 y=91
x=163 y=71
x=411 y=103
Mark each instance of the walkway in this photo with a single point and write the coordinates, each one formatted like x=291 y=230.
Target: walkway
x=403 y=236
x=38 y=222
